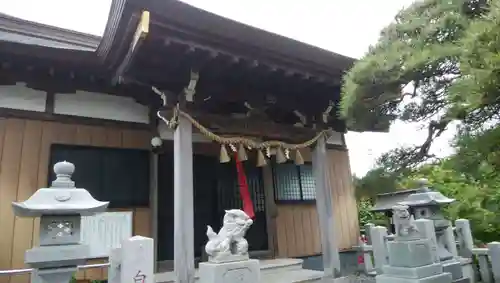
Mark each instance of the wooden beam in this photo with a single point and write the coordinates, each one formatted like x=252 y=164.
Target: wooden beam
x=183 y=203
x=68 y=119
x=140 y=34
x=324 y=203
x=224 y=125
x=50 y=102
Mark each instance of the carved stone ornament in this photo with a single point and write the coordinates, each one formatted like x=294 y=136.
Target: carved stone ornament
x=230 y=243
x=404 y=223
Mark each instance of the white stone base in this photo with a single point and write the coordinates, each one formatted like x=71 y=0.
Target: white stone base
x=247 y=271
x=337 y=280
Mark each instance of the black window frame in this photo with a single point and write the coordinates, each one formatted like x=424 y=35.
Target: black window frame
x=301 y=189
x=143 y=201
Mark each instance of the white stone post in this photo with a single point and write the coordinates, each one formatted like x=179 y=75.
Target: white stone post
x=137 y=260
x=115 y=261
x=426 y=228
x=494 y=253
x=379 y=247
x=450 y=241
x=462 y=226
x=367 y=256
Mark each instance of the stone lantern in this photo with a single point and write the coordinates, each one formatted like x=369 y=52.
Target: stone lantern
x=428 y=204
x=60 y=208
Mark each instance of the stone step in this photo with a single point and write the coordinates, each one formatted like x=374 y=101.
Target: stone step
x=279 y=265
x=293 y=276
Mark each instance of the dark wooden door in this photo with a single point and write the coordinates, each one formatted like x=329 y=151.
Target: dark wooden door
x=228 y=193
x=165 y=225
x=204 y=183
x=215 y=190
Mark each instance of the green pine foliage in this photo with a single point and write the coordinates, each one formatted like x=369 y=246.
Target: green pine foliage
x=438 y=62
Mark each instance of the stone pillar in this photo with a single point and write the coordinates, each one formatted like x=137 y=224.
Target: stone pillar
x=367 y=258
x=137 y=262
x=451 y=242
x=133 y=262
x=465 y=240
x=378 y=235
x=331 y=260
x=60 y=208
x=426 y=228
x=183 y=203
x=494 y=253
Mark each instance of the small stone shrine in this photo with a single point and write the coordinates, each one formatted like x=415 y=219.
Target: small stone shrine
x=412 y=255
x=427 y=204
x=60 y=208
x=228 y=259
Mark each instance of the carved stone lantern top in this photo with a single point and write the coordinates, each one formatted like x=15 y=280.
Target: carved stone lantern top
x=62 y=198
x=426 y=197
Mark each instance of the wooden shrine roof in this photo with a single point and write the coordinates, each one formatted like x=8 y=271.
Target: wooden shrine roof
x=36 y=45
x=236 y=63
x=175 y=22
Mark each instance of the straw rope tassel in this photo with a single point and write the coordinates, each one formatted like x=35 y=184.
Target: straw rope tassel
x=224 y=157
x=299 y=160
x=261 y=159
x=280 y=156
x=242 y=153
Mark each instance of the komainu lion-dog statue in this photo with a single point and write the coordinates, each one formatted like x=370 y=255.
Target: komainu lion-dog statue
x=230 y=243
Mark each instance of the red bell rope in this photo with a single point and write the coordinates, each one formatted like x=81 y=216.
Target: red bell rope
x=244 y=192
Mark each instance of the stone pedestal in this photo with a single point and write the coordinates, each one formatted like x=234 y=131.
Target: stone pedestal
x=245 y=271
x=412 y=257
x=412 y=262
x=454 y=267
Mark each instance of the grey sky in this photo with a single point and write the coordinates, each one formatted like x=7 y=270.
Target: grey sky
x=346 y=27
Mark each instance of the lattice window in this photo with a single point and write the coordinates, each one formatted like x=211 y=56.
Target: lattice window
x=229 y=190
x=307 y=182
x=293 y=183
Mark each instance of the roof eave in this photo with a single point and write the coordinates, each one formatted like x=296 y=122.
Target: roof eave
x=19 y=26
x=201 y=23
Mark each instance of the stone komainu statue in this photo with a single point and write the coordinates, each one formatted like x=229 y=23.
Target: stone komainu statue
x=404 y=221
x=230 y=241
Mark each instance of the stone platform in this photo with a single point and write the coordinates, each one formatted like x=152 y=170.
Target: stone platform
x=286 y=270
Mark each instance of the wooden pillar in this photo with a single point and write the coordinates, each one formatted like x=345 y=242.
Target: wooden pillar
x=183 y=203
x=271 y=210
x=331 y=260
x=153 y=202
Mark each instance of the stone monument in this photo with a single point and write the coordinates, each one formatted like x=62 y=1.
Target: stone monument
x=60 y=208
x=412 y=256
x=228 y=259
x=427 y=204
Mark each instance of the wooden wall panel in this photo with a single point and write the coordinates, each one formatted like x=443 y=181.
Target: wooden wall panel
x=344 y=199
x=297 y=230
x=24 y=164
x=297 y=224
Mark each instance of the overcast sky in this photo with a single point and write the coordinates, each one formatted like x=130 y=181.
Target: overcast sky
x=345 y=27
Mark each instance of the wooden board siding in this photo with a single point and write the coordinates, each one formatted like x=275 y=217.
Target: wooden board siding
x=24 y=157
x=297 y=224
x=344 y=200
x=297 y=230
